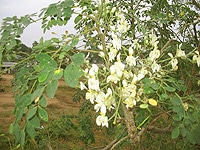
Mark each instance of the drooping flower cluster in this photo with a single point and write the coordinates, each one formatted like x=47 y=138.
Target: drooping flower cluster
x=101 y=100
x=126 y=69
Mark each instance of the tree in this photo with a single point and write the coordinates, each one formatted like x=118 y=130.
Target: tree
x=145 y=46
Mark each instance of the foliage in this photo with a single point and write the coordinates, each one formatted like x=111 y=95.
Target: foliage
x=145 y=47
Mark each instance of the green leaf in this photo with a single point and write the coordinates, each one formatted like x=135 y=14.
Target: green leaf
x=30 y=130
x=60 y=21
x=77 y=19
x=43 y=76
x=62 y=55
x=16 y=132
x=37 y=93
x=176 y=100
x=144 y=106
x=148 y=90
x=43 y=114
x=56 y=40
x=74 y=42
x=78 y=58
x=183 y=130
x=19 y=113
x=51 y=88
x=155 y=86
x=26 y=100
x=175 y=133
x=11 y=128
x=163 y=97
x=67 y=13
x=43 y=102
x=169 y=89
x=177 y=118
x=43 y=57
x=47 y=43
x=31 y=113
x=22 y=137
x=68 y=3
x=57 y=74
x=72 y=74
x=11 y=45
x=35 y=122
x=191 y=137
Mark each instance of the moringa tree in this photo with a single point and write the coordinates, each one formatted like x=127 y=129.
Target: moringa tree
x=150 y=66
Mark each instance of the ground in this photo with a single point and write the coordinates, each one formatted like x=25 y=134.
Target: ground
x=61 y=105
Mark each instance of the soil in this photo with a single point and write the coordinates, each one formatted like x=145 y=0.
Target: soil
x=62 y=103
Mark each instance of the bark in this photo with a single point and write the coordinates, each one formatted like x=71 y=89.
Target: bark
x=130 y=124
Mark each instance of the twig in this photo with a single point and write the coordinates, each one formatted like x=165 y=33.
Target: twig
x=110 y=145
x=159 y=130
x=120 y=141
x=164 y=47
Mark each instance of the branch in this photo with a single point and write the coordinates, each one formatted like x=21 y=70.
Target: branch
x=130 y=124
x=165 y=46
x=120 y=141
x=194 y=2
x=110 y=145
x=154 y=129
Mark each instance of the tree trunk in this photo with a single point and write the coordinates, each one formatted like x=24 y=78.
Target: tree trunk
x=130 y=124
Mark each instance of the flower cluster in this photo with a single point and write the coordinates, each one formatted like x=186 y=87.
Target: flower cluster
x=125 y=69
x=102 y=100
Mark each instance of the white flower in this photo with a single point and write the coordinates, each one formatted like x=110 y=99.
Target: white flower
x=135 y=44
x=174 y=63
x=112 y=54
x=196 y=58
x=101 y=54
x=141 y=74
x=131 y=61
x=113 y=78
x=179 y=52
x=155 y=67
x=82 y=86
x=116 y=41
x=109 y=100
x=122 y=25
x=124 y=83
x=90 y=95
x=116 y=72
x=170 y=55
x=113 y=9
x=119 y=68
x=130 y=102
x=93 y=84
x=102 y=120
x=100 y=106
x=127 y=74
x=93 y=70
x=100 y=47
x=153 y=40
x=154 y=54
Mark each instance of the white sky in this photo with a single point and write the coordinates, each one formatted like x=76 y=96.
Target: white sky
x=9 y=8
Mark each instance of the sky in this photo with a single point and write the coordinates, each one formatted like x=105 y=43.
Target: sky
x=9 y=8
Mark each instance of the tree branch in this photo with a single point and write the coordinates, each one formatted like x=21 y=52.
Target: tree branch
x=130 y=123
x=154 y=129
x=194 y=2
x=120 y=141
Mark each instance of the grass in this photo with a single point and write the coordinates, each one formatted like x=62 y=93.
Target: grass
x=72 y=128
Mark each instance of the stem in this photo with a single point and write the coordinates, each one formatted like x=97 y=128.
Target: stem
x=130 y=123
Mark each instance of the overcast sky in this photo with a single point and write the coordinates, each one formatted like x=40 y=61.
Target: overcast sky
x=9 y=8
